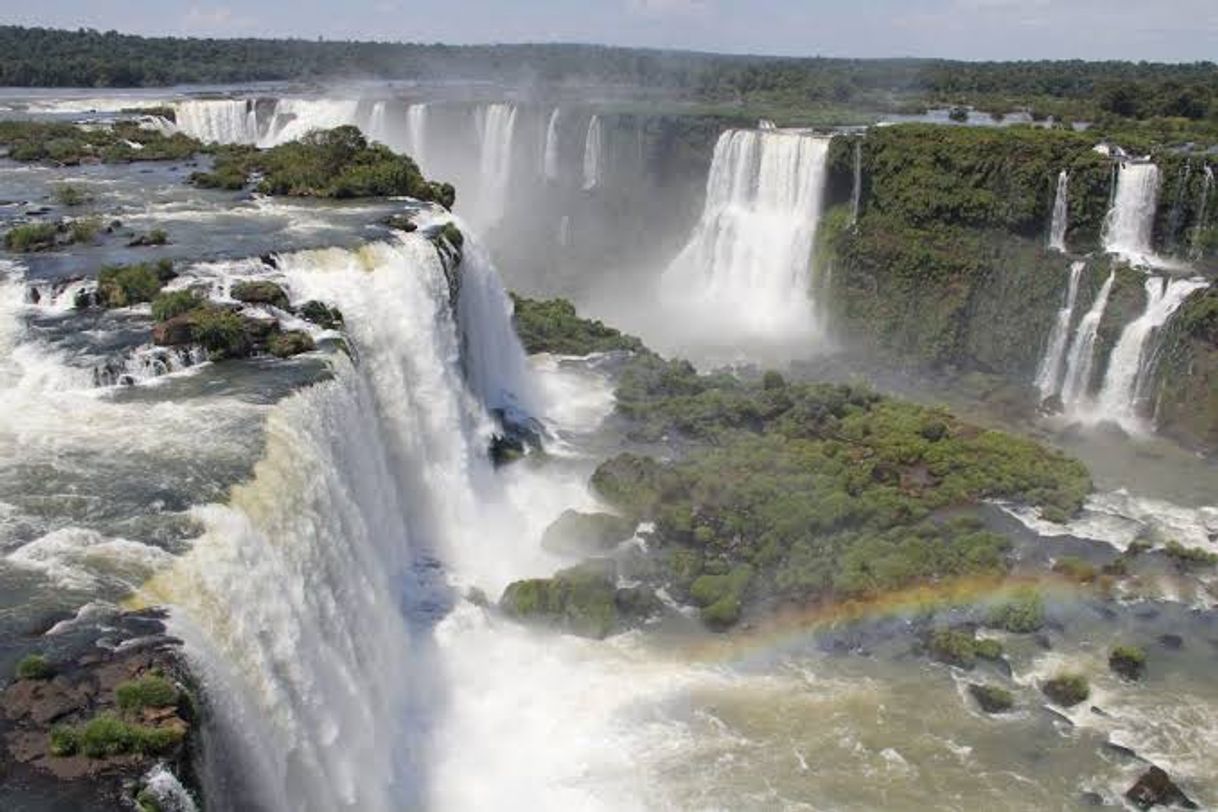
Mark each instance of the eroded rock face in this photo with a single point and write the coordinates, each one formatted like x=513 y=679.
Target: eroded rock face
x=38 y=716
x=1155 y=788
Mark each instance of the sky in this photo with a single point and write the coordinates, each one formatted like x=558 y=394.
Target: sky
x=1166 y=30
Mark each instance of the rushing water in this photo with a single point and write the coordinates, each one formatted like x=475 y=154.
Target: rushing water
x=1080 y=360
x=1061 y=218
x=549 y=150
x=1130 y=222
x=1049 y=374
x=746 y=271
x=496 y=125
x=592 y=153
x=221 y=121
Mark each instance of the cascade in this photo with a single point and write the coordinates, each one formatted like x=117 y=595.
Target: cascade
x=592 y=154
x=221 y=121
x=1048 y=376
x=416 y=133
x=496 y=125
x=748 y=260
x=1129 y=366
x=1177 y=205
x=1130 y=221
x=1057 y=228
x=1207 y=185
x=856 y=191
x=1081 y=358
x=378 y=128
x=293 y=118
x=549 y=154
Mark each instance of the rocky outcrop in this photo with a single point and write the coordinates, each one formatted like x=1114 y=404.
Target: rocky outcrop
x=575 y=533
x=582 y=600
x=1155 y=788
x=260 y=293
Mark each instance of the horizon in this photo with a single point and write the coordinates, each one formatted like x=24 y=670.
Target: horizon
x=953 y=30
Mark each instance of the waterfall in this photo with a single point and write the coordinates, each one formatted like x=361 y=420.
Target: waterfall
x=220 y=121
x=1175 y=215
x=1081 y=358
x=1057 y=228
x=293 y=118
x=856 y=191
x=496 y=124
x=1207 y=185
x=378 y=128
x=748 y=261
x=1130 y=222
x=592 y=154
x=1129 y=365
x=549 y=154
x=564 y=231
x=1048 y=376
x=416 y=133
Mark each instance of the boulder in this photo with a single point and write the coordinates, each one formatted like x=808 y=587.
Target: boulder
x=289 y=343
x=329 y=318
x=575 y=533
x=401 y=222
x=1067 y=690
x=1128 y=661
x=581 y=600
x=991 y=698
x=175 y=331
x=1155 y=788
x=260 y=292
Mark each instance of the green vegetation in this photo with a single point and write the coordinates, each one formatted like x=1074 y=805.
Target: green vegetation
x=32 y=237
x=1076 y=569
x=107 y=735
x=261 y=292
x=338 y=163
x=1067 y=689
x=1187 y=558
x=68 y=195
x=453 y=235
x=148 y=691
x=1128 y=661
x=553 y=326
x=158 y=236
x=69 y=144
x=173 y=303
x=287 y=343
x=579 y=600
x=126 y=285
x=1023 y=614
x=991 y=698
x=35 y=666
x=329 y=318
x=575 y=533
x=961 y=648
x=220 y=331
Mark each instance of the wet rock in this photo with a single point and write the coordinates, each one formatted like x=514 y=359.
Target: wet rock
x=289 y=343
x=401 y=222
x=1091 y=799
x=269 y=260
x=328 y=318
x=575 y=533
x=991 y=698
x=1128 y=661
x=1121 y=750
x=175 y=331
x=581 y=600
x=260 y=292
x=1067 y=690
x=1155 y=788
x=1173 y=642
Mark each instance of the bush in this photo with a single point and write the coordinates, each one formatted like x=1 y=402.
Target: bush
x=68 y=195
x=961 y=648
x=106 y=735
x=290 y=342
x=221 y=332
x=35 y=666
x=260 y=292
x=31 y=237
x=1023 y=614
x=1067 y=689
x=174 y=303
x=1187 y=558
x=991 y=698
x=1128 y=661
x=329 y=318
x=126 y=285
x=149 y=691
x=84 y=229
x=65 y=741
x=553 y=326
x=1076 y=569
x=580 y=600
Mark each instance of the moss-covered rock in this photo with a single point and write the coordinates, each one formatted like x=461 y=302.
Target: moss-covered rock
x=991 y=698
x=959 y=647
x=1128 y=661
x=553 y=326
x=581 y=600
x=290 y=342
x=260 y=292
x=1023 y=614
x=1067 y=689
x=35 y=667
x=575 y=533
x=126 y=285
x=329 y=318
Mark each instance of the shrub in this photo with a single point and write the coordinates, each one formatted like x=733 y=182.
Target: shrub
x=35 y=666
x=260 y=292
x=1067 y=689
x=991 y=698
x=1023 y=614
x=174 y=303
x=126 y=285
x=68 y=195
x=221 y=333
x=1076 y=569
x=1189 y=557
x=329 y=318
x=65 y=741
x=1128 y=661
x=289 y=343
x=149 y=691
x=31 y=237
x=553 y=326
x=106 y=735
x=84 y=229
x=453 y=235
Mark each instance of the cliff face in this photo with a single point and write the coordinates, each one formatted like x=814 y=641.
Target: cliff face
x=947 y=263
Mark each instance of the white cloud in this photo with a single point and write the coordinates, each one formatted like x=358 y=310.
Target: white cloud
x=203 y=19
x=667 y=8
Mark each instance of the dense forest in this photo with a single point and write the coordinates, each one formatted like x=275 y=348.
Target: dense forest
x=32 y=57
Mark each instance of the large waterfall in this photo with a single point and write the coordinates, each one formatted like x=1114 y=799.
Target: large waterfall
x=549 y=151
x=220 y=121
x=496 y=124
x=1130 y=222
x=1048 y=376
x=593 y=148
x=1057 y=227
x=747 y=269
x=296 y=117
x=416 y=133
x=1080 y=360
x=856 y=189
x=1207 y=188
x=1129 y=366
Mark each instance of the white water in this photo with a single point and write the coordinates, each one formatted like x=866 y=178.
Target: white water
x=746 y=271
x=221 y=121
x=1081 y=358
x=1130 y=222
x=1207 y=187
x=1048 y=376
x=496 y=124
x=856 y=191
x=549 y=153
x=378 y=124
x=592 y=154
x=1129 y=365
x=1057 y=228
x=294 y=118
x=416 y=133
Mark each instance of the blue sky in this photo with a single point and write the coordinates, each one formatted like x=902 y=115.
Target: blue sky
x=1167 y=30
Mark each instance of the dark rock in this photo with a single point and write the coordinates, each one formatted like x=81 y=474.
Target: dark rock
x=329 y=318
x=175 y=331
x=1121 y=750
x=1173 y=642
x=269 y=260
x=1155 y=788
x=1128 y=661
x=401 y=222
x=1067 y=690
x=1091 y=799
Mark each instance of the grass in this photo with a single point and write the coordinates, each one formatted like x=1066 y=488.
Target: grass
x=107 y=735
x=35 y=666
x=126 y=285
x=1023 y=614
x=148 y=691
x=553 y=326
x=31 y=237
x=174 y=303
x=69 y=195
x=1067 y=689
